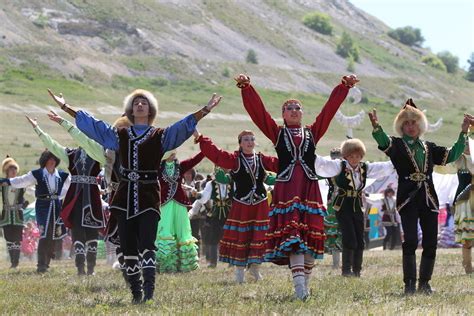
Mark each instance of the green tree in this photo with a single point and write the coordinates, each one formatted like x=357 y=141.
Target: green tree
x=433 y=61
x=407 y=35
x=318 y=22
x=347 y=47
x=450 y=61
x=251 y=57
x=470 y=70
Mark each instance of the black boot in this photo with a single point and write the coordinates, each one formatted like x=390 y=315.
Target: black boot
x=91 y=255
x=149 y=272
x=426 y=270
x=409 y=274
x=135 y=287
x=212 y=256
x=148 y=283
x=80 y=257
x=16 y=258
x=121 y=262
x=357 y=263
x=347 y=261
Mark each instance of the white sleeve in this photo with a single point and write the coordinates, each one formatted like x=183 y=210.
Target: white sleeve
x=206 y=193
x=376 y=170
x=66 y=185
x=23 y=181
x=205 y=196
x=326 y=167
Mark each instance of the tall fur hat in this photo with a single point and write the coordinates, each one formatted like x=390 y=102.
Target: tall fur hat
x=410 y=112
x=352 y=145
x=9 y=162
x=128 y=104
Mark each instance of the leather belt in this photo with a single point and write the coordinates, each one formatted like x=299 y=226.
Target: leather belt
x=149 y=176
x=50 y=197
x=349 y=193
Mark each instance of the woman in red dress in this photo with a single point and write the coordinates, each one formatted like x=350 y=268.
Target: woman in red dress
x=243 y=242
x=296 y=233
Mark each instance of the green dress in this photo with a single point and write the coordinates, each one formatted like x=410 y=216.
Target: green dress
x=177 y=248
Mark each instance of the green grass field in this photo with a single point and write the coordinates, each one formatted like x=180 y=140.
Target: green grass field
x=212 y=291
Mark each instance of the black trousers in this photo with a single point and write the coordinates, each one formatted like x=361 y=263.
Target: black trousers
x=351 y=225
x=46 y=248
x=13 y=235
x=410 y=214
x=137 y=240
x=196 y=231
x=390 y=237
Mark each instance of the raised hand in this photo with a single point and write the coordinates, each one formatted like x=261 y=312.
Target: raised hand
x=33 y=122
x=373 y=118
x=350 y=80
x=61 y=102
x=467 y=122
x=242 y=80
x=53 y=116
x=213 y=102
x=196 y=135
x=59 y=99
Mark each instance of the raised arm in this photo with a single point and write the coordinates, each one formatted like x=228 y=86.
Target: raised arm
x=382 y=139
x=218 y=156
x=338 y=95
x=23 y=181
x=326 y=167
x=180 y=131
x=270 y=163
x=190 y=163
x=97 y=130
x=92 y=148
x=377 y=170
x=254 y=106
x=456 y=151
x=53 y=146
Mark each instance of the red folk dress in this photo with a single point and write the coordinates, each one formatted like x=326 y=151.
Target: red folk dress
x=297 y=212
x=243 y=242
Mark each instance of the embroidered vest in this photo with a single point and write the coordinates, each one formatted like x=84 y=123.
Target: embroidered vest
x=249 y=188
x=140 y=157
x=411 y=180
x=289 y=154
x=12 y=212
x=84 y=191
x=348 y=196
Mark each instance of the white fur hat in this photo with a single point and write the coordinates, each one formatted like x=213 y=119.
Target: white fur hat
x=9 y=162
x=410 y=112
x=128 y=104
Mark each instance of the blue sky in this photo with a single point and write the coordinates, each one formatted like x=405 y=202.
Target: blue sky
x=445 y=24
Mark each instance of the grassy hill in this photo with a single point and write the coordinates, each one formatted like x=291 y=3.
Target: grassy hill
x=96 y=52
